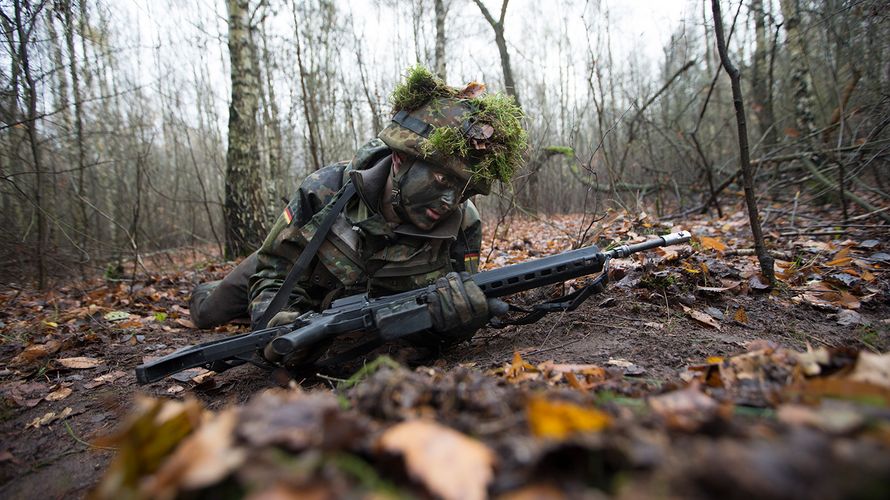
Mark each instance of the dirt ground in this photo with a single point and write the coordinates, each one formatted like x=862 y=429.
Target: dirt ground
x=642 y=325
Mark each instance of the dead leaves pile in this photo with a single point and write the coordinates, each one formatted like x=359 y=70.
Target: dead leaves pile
x=524 y=429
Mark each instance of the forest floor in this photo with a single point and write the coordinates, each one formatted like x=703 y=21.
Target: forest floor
x=685 y=378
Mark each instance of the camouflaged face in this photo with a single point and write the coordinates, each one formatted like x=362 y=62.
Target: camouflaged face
x=442 y=112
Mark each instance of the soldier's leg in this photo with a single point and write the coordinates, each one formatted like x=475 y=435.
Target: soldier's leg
x=218 y=302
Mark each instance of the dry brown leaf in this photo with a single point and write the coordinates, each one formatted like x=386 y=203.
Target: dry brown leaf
x=701 y=317
x=79 y=362
x=872 y=368
x=450 y=464
x=59 y=394
x=202 y=459
x=186 y=323
x=104 y=379
x=49 y=418
x=740 y=315
x=840 y=262
x=35 y=352
x=686 y=409
x=713 y=243
x=836 y=420
x=811 y=362
x=473 y=89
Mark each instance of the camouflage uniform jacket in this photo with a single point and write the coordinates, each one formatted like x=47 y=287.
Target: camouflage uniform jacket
x=362 y=252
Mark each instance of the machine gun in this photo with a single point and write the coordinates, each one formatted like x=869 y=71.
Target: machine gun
x=394 y=316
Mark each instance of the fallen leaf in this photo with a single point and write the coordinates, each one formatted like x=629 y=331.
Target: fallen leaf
x=297 y=420
x=116 y=316
x=79 y=362
x=450 y=464
x=843 y=261
x=473 y=89
x=740 y=315
x=846 y=317
x=186 y=323
x=202 y=459
x=712 y=243
x=812 y=361
x=835 y=420
x=35 y=352
x=175 y=389
x=701 y=317
x=104 y=379
x=58 y=395
x=49 y=418
x=844 y=388
x=686 y=409
x=153 y=430
x=628 y=367
x=559 y=419
x=872 y=368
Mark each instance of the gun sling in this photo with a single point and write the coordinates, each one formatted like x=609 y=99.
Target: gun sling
x=305 y=258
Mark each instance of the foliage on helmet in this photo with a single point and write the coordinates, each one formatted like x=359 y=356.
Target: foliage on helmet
x=494 y=143
x=420 y=86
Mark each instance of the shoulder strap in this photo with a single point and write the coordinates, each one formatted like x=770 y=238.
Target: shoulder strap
x=296 y=272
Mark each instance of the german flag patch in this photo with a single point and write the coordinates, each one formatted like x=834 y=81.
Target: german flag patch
x=288 y=215
x=471 y=262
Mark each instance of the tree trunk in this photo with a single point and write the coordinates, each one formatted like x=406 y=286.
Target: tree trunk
x=766 y=261
x=243 y=207
x=308 y=107
x=23 y=8
x=801 y=80
x=529 y=194
x=276 y=173
x=761 y=80
x=83 y=222
x=441 y=12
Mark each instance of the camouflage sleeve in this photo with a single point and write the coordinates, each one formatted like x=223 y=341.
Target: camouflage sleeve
x=284 y=243
x=465 y=250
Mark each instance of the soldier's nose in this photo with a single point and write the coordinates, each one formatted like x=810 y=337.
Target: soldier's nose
x=448 y=198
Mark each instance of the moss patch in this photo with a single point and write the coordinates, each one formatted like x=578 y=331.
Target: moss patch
x=560 y=150
x=420 y=86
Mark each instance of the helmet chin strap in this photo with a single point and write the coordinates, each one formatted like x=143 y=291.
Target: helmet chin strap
x=396 y=195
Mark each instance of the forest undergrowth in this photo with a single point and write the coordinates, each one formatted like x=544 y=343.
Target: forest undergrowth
x=688 y=377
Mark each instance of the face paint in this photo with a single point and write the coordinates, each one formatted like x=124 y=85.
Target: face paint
x=429 y=194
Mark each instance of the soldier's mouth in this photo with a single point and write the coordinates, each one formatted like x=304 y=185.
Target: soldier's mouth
x=432 y=214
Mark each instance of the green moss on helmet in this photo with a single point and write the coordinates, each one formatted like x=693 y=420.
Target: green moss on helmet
x=420 y=86
x=509 y=142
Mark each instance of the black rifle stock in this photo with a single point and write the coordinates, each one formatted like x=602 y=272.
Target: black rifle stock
x=392 y=316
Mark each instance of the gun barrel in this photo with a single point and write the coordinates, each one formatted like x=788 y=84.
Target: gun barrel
x=661 y=241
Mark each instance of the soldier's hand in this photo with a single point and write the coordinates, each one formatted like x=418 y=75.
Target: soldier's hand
x=284 y=318
x=457 y=305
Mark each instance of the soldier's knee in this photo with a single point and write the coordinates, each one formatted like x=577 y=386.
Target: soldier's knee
x=201 y=315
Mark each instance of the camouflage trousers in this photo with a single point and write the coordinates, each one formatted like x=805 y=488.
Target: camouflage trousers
x=218 y=302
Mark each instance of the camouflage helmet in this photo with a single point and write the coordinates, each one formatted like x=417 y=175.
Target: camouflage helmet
x=477 y=137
